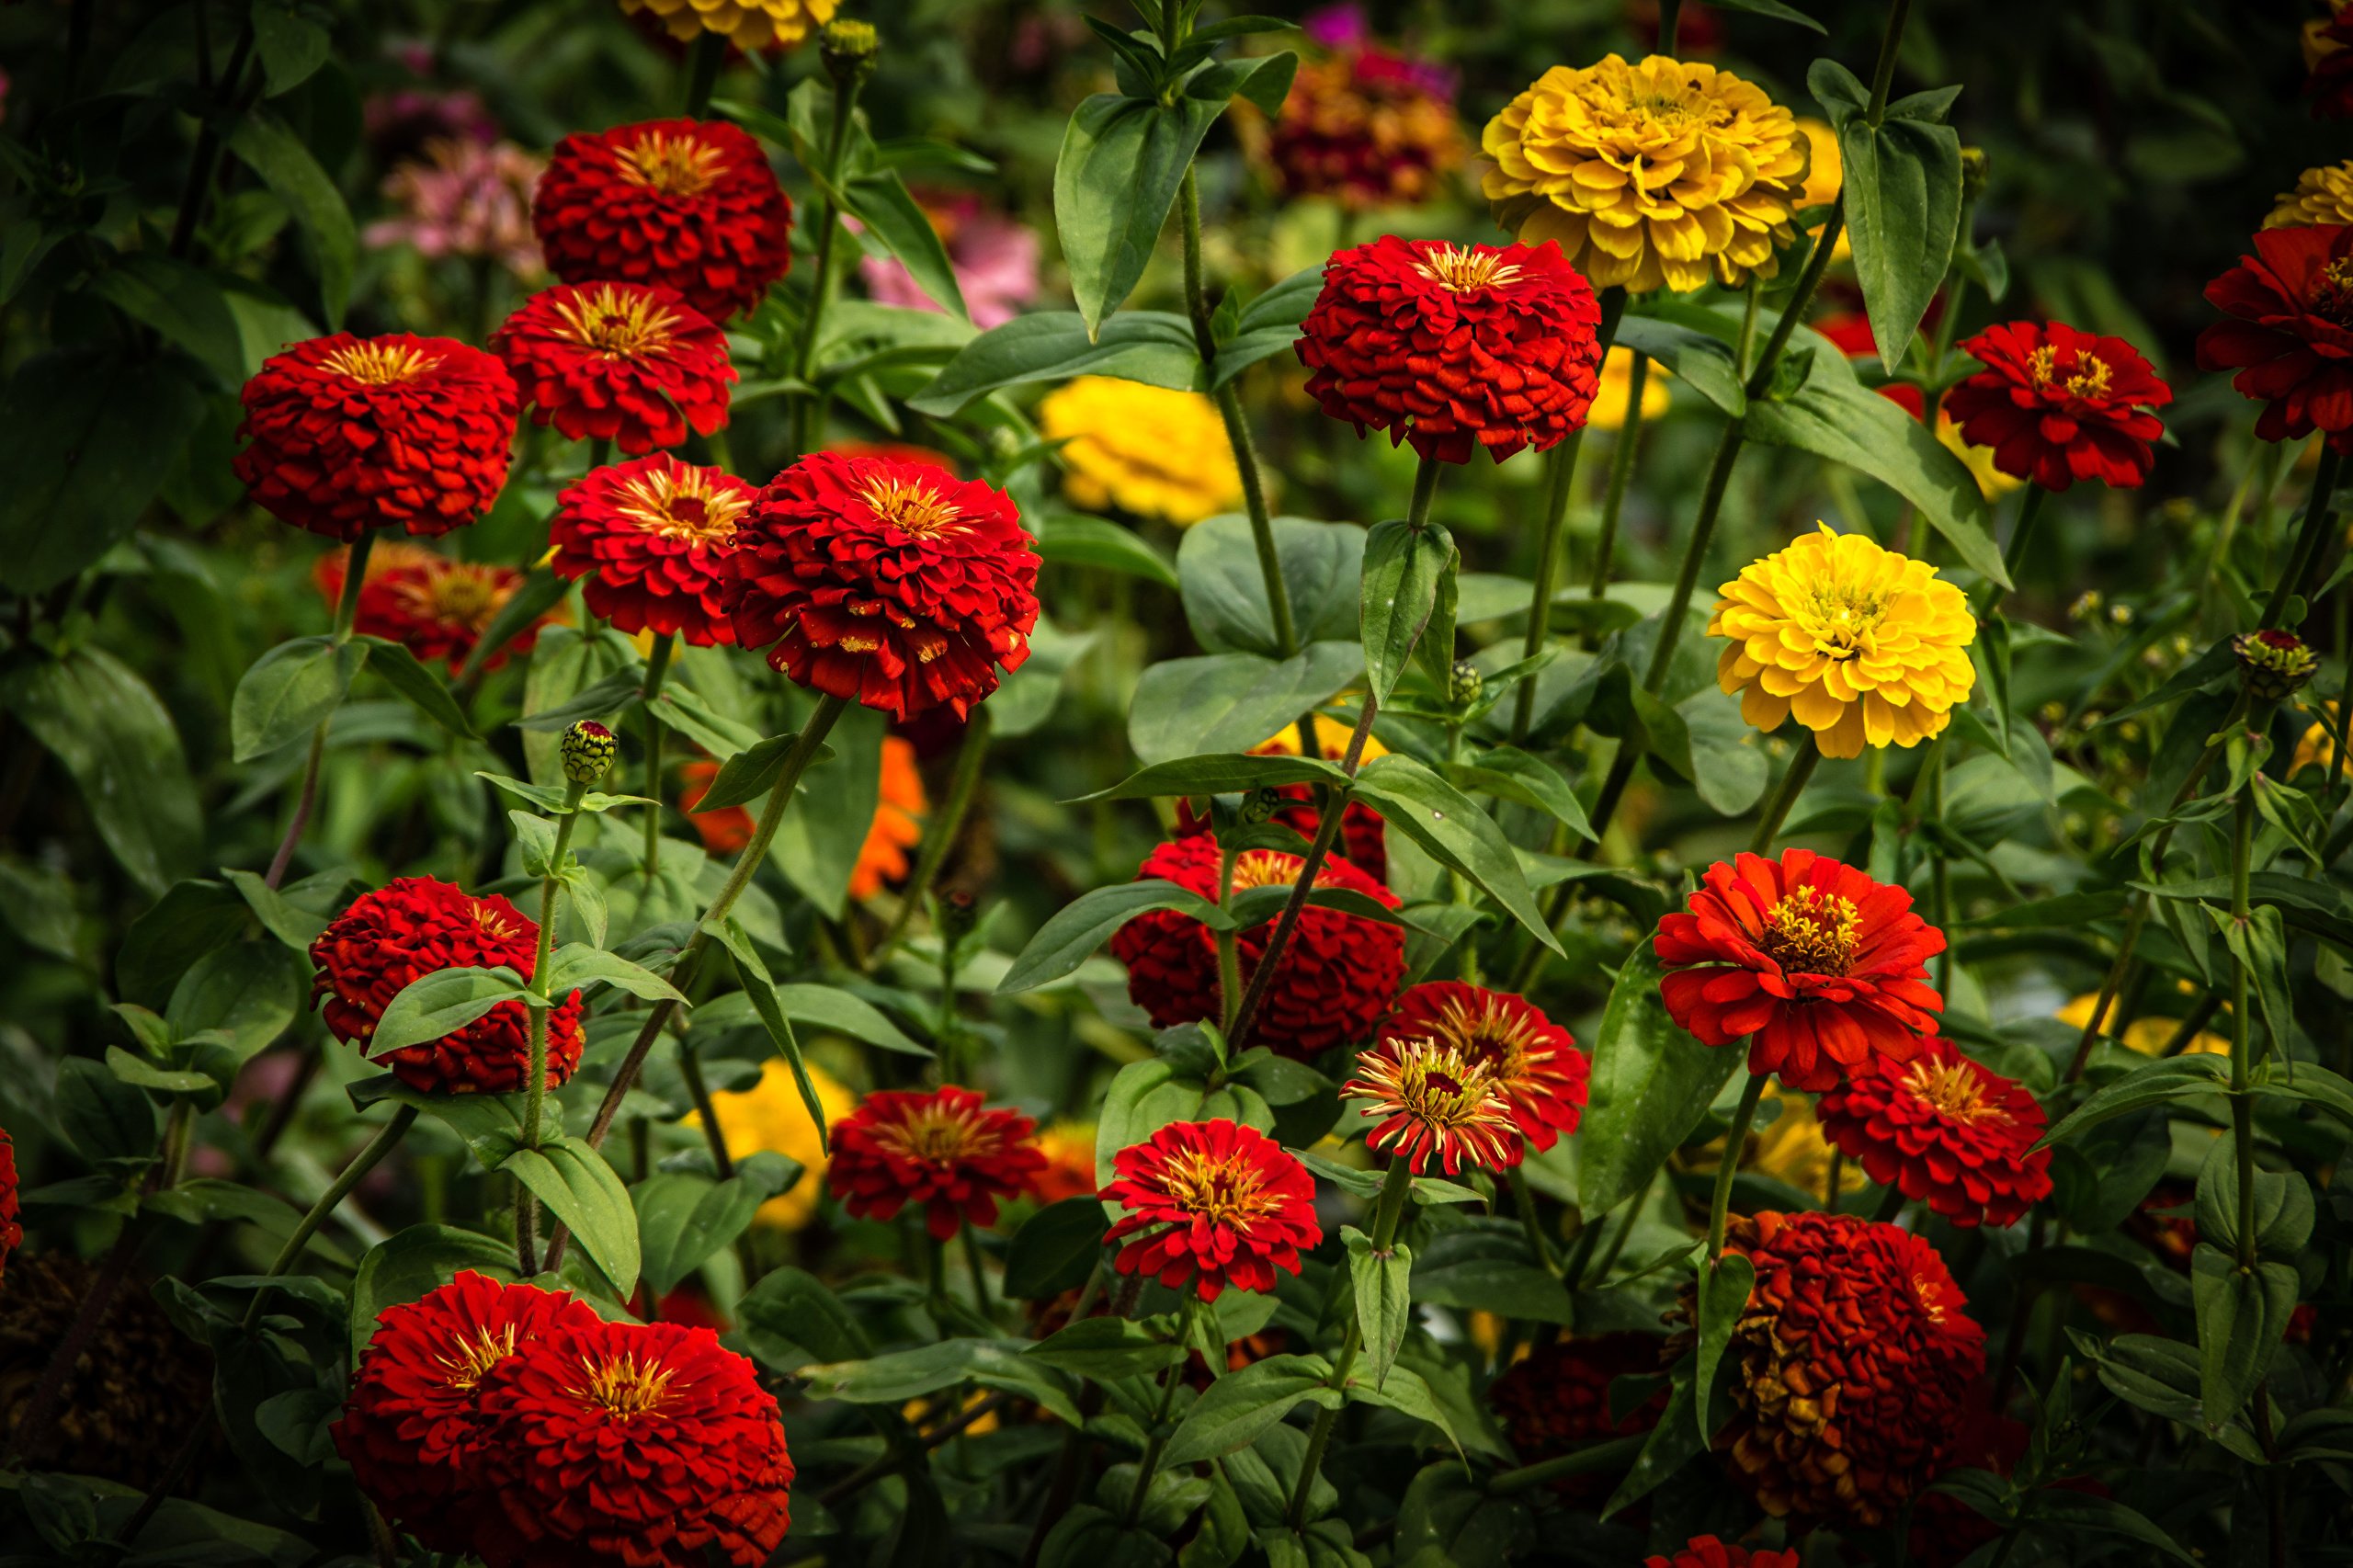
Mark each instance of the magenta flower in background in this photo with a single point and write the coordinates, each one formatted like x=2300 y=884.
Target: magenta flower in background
x=465 y=199
x=995 y=261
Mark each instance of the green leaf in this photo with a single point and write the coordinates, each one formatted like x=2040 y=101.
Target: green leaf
x=1383 y=1296
x=752 y=773
x=246 y=993
x=106 y=726
x=1241 y=1405
x=1703 y=362
x=576 y=964
x=1221 y=774
x=1775 y=10
x=1055 y=1250
x=291 y=691
x=2242 y=1316
x=879 y=200
x=818 y=842
x=1486 y=1267
x=760 y=986
x=1151 y=346
x=1724 y=1285
x=2283 y=1203
x=1084 y=924
x=1268 y=324
x=1144 y=1096
x=894 y=1377
x=1511 y=774
x=1225 y=584
x=191 y=919
x=1457 y=834
x=289 y=922
x=107 y=1121
x=1097 y=542
x=790 y=1318
x=274 y=151
x=1107 y=1347
x=1445 y=1513
x=580 y=1189
x=411 y=1262
x=291 y=45
x=181 y=303
x=1404 y=568
x=844 y=1014
x=442 y=1003
x=601 y=701
x=1652 y=1083
x=423 y=689
x=1230 y=702
x=1673 y=1443
x=683 y=1218
x=1900 y=188
x=539 y=593
x=2158 y=1082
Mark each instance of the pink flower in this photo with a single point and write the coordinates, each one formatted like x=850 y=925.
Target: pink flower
x=465 y=199
x=995 y=261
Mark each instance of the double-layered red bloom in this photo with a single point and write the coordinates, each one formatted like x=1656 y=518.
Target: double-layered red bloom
x=1455 y=347
x=1820 y=965
x=943 y=1150
x=1538 y=1070
x=407 y=929
x=2290 y=338
x=1557 y=1397
x=630 y=363
x=1943 y=1129
x=1214 y=1204
x=1333 y=980
x=655 y=533
x=1853 y=1364
x=690 y=204
x=890 y=582
x=346 y=434
x=1432 y=1103
x=1368 y=127
x=1707 y=1551
x=434 y=606
x=12 y=1229
x=2056 y=405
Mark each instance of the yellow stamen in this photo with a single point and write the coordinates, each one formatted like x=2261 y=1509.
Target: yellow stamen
x=911 y=506
x=616 y=323
x=672 y=165
x=1812 y=931
x=471 y=1358
x=378 y=364
x=1951 y=1088
x=1463 y=269
x=1224 y=1192
x=683 y=506
x=626 y=1387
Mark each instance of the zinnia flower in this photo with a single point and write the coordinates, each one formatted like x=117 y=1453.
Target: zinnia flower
x=12 y=1231
x=1707 y=1551
x=630 y=363
x=464 y=198
x=2291 y=338
x=1434 y=1102
x=1154 y=451
x=1212 y=1204
x=1454 y=348
x=1363 y=842
x=1366 y=126
x=747 y=24
x=1670 y=174
x=651 y=536
x=346 y=434
x=624 y=1445
x=770 y=1116
x=2057 y=405
x=1943 y=1129
x=888 y=583
x=1864 y=645
x=1538 y=1070
x=1333 y=980
x=2328 y=55
x=896 y=828
x=1820 y=966
x=1853 y=1363
x=2323 y=195
x=407 y=929
x=1557 y=1398
x=994 y=259
x=434 y=606
x=688 y=204
x=723 y=832
x=1068 y=1148
x=941 y=1150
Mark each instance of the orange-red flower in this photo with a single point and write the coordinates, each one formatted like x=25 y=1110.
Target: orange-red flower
x=2290 y=338
x=896 y=828
x=346 y=434
x=1455 y=347
x=1557 y=1397
x=724 y=831
x=630 y=363
x=690 y=204
x=12 y=1229
x=1707 y=1551
x=1335 y=978
x=407 y=929
x=1854 y=1362
x=1944 y=1128
x=434 y=606
x=888 y=582
x=1822 y=967
x=1538 y=1070
x=2056 y=405
x=655 y=534
x=943 y=1150
x=1433 y=1102
x=1212 y=1204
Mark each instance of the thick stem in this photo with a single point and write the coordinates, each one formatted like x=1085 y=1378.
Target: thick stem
x=2311 y=542
x=1228 y=945
x=657 y=667
x=821 y=280
x=1593 y=1459
x=353 y=1173
x=1552 y=543
x=2242 y=1034
x=535 y=1087
x=973 y=1266
x=1802 y=763
x=1735 y=1141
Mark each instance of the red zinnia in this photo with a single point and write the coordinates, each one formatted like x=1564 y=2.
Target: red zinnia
x=1335 y=978
x=624 y=1445
x=1213 y=1203
x=2056 y=405
x=888 y=583
x=1538 y=1070
x=410 y=927
x=413 y=1429
x=1707 y=1551
x=12 y=1231
x=1944 y=1128
x=1366 y=126
x=1557 y=1397
x=1432 y=1102
x=690 y=204
x=630 y=363
x=1819 y=964
x=346 y=434
x=943 y=1149
x=655 y=533
x=1454 y=348
x=1855 y=1362
x=434 y=606
x=2292 y=342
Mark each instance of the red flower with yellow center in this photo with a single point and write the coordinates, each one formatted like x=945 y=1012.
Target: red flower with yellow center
x=1822 y=967
x=1433 y=1102
x=1707 y=1551
x=690 y=204
x=888 y=582
x=2056 y=405
x=1455 y=347
x=413 y=1429
x=346 y=434
x=2290 y=338
x=1538 y=1070
x=1333 y=980
x=1946 y=1129
x=1212 y=1203
x=655 y=534
x=624 y=1445
x=630 y=363
x=1557 y=1397
x=943 y=1150
x=407 y=929
x=897 y=826
x=1854 y=1361
x=434 y=606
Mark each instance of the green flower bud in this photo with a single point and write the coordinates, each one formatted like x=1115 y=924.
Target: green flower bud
x=2273 y=663
x=847 y=49
x=1466 y=683
x=587 y=751
x=1975 y=169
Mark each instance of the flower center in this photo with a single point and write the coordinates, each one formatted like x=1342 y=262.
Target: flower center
x=1932 y=1297
x=626 y=1387
x=1464 y=268
x=471 y=1357
x=1843 y=618
x=2333 y=291
x=1812 y=931
x=1439 y=1086
x=670 y=165
x=931 y=1134
x=1951 y=1089
x=1487 y=1037
x=683 y=506
x=1224 y=1192
x=378 y=364
x=911 y=506
x=454 y=591
x=617 y=323
x=493 y=922
x=2089 y=380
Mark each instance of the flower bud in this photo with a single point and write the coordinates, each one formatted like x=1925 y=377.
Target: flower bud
x=587 y=751
x=1259 y=806
x=1975 y=169
x=958 y=913
x=1465 y=683
x=2273 y=663
x=847 y=49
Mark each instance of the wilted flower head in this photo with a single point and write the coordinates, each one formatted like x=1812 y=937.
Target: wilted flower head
x=465 y=198
x=1212 y=1204
x=1434 y=1102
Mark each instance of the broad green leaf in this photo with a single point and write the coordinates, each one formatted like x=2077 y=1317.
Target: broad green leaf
x=292 y=44
x=683 y=1218
x=1703 y=362
x=180 y=302
x=1724 y=1285
x=424 y=690
x=2242 y=1314
x=1651 y=1085
x=760 y=986
x=1097 y=542
x=291 y=691
x=1106 y=1346
x=105 y=1121
x=896 y=1376
x=411 y=1263
x=1900 y=188
x=791 y=1318
x=879 y=200
x=1224 y=583
x=1055 y=1249
x=1151 y=346
x=576 y=964
x=750 y=774
x=1673 y=1443
x=818 y=843
x=845 y=1013
x=284 y=919
x=581 y=1189
x=272 y=149
x=1241 y=1405
x=1384 y=1297
x=1268 y=324
x=1405 y=572
x=95 y=716
x=1457 y=834
x=1230 y=702
x=1144 y=1096
x=1084 y=924
x=1222 y=774
x=2157 y=1084
x=442 y=1003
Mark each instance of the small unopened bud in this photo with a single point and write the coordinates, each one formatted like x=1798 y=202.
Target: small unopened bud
x=1260 y=805
x=2274 y=664
x=587 y=750
x=958 y=913
x=1465 y=683
x=847 y=49
x=1975 y=169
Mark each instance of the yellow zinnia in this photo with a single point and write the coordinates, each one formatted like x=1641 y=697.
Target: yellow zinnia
x=1661 y=175
x=2318 y=747
x=2145 y=1034
x=1611 y=404
x=2321 y=195
x=1150 y=450
x=769 y=1116
x=1992 y=482
x=1864 y=645
x=747 y=24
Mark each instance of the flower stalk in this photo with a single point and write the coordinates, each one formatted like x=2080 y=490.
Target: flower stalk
x=1744 y=1116
x=1389 y=1209
x=387 y=1138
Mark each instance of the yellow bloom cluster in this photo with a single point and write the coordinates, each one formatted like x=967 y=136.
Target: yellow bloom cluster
x=2321 y=195
x=747 y=24
x=1150 y=450
x=2146 y=1034
x=1662 y=175
x=768 y=1117
x=1863 y=645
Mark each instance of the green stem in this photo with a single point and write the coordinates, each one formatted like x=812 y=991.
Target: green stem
x=1524 y=1199
x=973 y=1266
x=2013 y=553
x=1172 y=1375
x=1551 y=542
x=2311 y=542
x=352 y=1174
x=2242 y=1034
x=347 y=612
x=1621 y=473
x=1735 y=1141
x=1228 y=953
x=706 y=1110
x=821 y=281
x=1417 y=509
x=709 y=53
x=939 y=833
x=1388 y=1211
x=1593 y=1459
x=536 y=1088
x=1802 y=763
x=657 y=665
